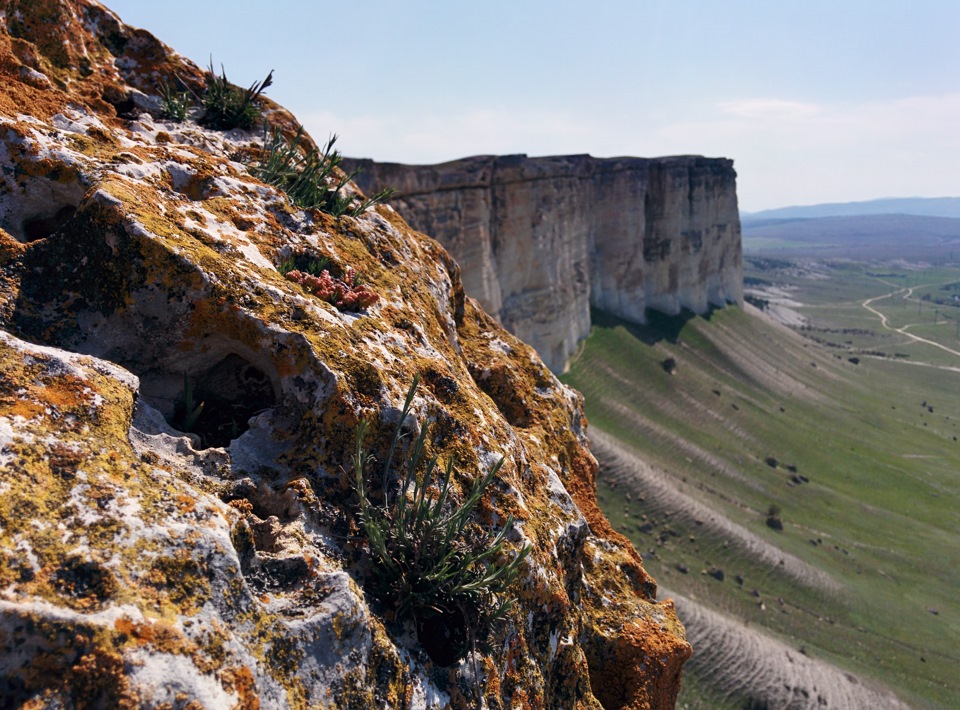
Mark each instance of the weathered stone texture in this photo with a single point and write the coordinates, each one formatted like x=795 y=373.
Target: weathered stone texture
x=143 y=565
x=541 y=240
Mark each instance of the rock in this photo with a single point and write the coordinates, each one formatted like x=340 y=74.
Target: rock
x=541 y=240
x=144 y=565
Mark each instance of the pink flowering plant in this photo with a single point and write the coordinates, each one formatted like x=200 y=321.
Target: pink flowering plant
x=347 y=293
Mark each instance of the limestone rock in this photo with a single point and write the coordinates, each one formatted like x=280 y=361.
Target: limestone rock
x=541 y=240
x=143 y=565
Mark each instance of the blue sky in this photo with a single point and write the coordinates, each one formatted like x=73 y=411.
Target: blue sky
x=815 y=101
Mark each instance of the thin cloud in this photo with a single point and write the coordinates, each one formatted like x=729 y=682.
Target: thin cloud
x=769 y=109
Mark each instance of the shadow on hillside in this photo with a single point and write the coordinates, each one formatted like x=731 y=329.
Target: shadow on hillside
x=659 y=326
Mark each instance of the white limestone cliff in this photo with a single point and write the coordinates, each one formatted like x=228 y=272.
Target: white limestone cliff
x=541 y=240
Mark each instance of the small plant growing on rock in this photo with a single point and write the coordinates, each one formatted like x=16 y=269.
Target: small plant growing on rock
x=175 y=104
x=347 y=293
x=430 y=564
x=308 y=175
x=227 y=106
x=188 y=409
x=312 y=266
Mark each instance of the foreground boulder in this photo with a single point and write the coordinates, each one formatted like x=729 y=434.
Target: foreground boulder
x=178 y=515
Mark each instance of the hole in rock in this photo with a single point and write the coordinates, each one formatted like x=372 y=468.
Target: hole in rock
x=443 y=636
x=123 y=104
x=40 y=206
x=217 y=403
x=42 y=226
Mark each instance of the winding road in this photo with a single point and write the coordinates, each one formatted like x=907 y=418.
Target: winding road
x=903 y=331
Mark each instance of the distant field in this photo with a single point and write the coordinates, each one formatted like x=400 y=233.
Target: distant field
x=917 y=298
x=859 y=237
x=758 y=426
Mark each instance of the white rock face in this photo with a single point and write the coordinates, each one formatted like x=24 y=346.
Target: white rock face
x=541 y=240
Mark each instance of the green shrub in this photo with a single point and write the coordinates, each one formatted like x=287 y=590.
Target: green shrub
x=431 y=564
x=227 y=106
x=308 y=175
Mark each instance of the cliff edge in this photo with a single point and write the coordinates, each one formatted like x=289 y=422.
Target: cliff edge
x=541 y=240
x=180 y=519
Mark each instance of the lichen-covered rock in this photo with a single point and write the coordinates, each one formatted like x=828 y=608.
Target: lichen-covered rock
x=143 y=565
x=541 y=240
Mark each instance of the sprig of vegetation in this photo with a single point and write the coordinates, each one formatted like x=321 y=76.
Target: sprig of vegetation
x=313 y=267
x=174 y=104
x=429 y=560
x=227 y=106
x=191 y=410
x=308 y=176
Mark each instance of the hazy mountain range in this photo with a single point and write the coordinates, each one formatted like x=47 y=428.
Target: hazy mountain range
x=896 y=227
x=922 y=206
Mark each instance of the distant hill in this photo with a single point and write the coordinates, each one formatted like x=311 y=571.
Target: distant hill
x=868 y=236
x=922 y=206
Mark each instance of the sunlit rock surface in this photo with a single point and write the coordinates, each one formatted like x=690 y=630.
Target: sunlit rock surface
x=145 y=566
x=541 y=240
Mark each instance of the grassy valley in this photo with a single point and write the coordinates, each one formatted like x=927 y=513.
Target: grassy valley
x=795 y=491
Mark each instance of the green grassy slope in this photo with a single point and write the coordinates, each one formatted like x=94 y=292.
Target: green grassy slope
x=865 y=476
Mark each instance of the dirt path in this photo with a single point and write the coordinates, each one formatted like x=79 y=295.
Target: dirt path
x=742 y=662
x=908 y=292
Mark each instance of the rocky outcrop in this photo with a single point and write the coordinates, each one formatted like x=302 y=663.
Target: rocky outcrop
x=159 y=553
x=541 y=240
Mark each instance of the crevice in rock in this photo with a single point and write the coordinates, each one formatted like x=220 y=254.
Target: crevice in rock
x=42 y=206
x=503 y=387
x=123 y=104
x=261 y=540
x=216 y=401
x=444 y=637
x=42 y=226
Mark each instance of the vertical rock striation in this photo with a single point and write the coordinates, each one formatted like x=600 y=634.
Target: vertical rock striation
x=541 y=240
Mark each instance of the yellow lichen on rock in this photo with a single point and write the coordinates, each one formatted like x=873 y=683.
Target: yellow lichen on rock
x=178 y=521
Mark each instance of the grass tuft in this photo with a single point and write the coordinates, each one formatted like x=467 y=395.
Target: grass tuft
x=227 y=106
x=308 y=175
x=430 y=562
x=175 y=104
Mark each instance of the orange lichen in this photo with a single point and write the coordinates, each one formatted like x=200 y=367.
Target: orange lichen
x=240 y=680
x=127 y=263
x=640 y=668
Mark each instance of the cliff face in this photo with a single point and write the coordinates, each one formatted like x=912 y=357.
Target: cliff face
x=540 y=240
x=159 y=553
